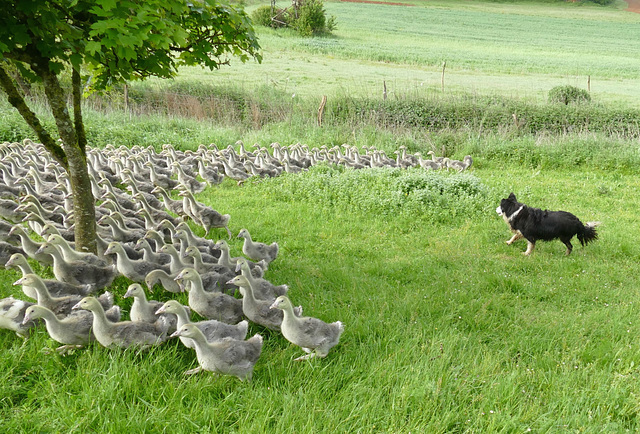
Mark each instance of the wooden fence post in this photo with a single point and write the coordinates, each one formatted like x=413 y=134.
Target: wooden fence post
x=384 y=90
x=588 y=83
x=321 y=109
x=126 y=98
x=444 y=64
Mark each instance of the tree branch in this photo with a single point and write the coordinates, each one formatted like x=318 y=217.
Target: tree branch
x=16 y=100
x=81 y=136
x=57 y=102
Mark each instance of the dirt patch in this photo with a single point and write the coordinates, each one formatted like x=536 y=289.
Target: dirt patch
x=633 y=6
x=377 y=2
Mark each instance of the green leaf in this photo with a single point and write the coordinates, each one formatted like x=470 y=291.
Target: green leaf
x=76 y=59
x=107 y=5
x=93 y=46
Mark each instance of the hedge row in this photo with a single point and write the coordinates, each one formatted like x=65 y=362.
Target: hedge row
x=499 y=115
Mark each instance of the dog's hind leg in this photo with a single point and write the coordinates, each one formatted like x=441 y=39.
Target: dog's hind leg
x=530 y=246
x=517 y=235
x=569 y=246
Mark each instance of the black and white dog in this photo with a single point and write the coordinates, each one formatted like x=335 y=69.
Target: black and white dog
x=535 y=224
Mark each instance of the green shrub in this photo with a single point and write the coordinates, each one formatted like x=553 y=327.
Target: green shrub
x=568 y=94
x=425 y=195
x=311 y=18
x=264 y=17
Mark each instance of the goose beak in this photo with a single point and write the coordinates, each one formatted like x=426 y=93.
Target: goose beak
x=238 y=266
x=19 y=281
x=180 y=282
x=175 y=334
x=161 y=310
x=38 y=251
x=231 y=282
x=77 y=305
x=26 y=319
x=274 y=305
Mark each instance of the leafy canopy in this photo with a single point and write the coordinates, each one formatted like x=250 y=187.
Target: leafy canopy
x=121 y=40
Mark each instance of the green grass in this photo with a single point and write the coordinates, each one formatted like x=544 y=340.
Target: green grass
x=513 y=49
x=447 y=327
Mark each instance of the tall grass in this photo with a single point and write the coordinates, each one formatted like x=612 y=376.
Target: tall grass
x=497 y=146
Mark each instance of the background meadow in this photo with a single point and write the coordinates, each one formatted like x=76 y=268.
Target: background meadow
x=447 y=329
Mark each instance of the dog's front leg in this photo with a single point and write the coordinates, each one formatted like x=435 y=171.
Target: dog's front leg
x=530 y=247
x=516 y=236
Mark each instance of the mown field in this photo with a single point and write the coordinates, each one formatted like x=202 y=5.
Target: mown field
x=447 y=329
x=508 y=48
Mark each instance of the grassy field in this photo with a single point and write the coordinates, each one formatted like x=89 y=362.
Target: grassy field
x=512 y=49
x=447 y=329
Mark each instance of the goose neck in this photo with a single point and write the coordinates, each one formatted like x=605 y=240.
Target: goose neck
x=27 y=242
x=44 y=297
x=182 y=317
x=289 y=315
x=49 y=317
x=100 y=321
x=246 y=272
x=196 y=284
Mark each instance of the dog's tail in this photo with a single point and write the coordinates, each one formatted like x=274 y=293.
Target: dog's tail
x=588 y=234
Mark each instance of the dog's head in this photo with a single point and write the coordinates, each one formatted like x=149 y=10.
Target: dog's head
x=508 y=206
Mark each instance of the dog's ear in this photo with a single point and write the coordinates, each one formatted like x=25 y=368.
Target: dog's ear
x=512 y=197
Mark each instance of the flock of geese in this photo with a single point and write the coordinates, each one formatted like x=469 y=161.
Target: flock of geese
x=142 y=234
x=298 y=157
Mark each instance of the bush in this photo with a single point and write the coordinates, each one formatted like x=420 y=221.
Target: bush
x=263 y=16
x=311 y=19
x=568 y=94
x=427 y=196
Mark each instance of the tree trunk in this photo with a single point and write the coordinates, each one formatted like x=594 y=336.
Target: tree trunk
x=83 y=202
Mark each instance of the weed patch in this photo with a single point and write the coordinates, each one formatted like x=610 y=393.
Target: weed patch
x=428 y=196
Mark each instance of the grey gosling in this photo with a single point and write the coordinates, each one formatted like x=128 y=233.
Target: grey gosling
x=211 y=329
x=211 y=305
x=258 y=251
x=227 y=356
x=315 y=336
x=122 y=334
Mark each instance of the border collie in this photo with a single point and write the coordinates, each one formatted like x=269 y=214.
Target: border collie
x=535 y=224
